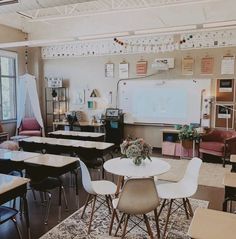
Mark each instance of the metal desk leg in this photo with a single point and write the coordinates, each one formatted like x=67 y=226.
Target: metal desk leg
x=26 y=209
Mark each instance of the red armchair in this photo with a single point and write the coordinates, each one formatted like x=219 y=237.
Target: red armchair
x=30 y=127
x=220 y=143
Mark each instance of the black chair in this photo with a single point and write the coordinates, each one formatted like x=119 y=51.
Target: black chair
x=7 y=214
x=43 y=183
x=92 y=158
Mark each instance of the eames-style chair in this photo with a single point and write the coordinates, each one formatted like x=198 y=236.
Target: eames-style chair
x=182 y=190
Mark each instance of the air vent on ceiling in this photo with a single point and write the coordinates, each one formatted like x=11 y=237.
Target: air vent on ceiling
x=4 y=2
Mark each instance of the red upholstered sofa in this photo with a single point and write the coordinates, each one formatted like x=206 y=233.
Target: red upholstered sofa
x=30 y=127
x=217 y=142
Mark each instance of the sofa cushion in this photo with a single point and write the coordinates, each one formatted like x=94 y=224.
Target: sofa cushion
x=30 y=124
x=212 y=146
x=30 y=132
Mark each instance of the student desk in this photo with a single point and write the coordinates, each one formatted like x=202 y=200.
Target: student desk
x=83 y=124
x=87 y=136
x=57 y=146
x=12 y=187
x=212 y=224
x=55 y=166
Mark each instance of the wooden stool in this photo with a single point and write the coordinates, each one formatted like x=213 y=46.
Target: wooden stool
x=233 y=161
x=212 y=224
x=230 y=190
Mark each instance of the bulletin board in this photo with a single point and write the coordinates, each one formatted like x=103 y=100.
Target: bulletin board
x=224 y=116
x=225 y=90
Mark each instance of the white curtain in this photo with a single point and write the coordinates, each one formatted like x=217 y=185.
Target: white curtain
x=28 y=95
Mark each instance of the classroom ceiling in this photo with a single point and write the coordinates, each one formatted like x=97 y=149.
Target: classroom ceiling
x=60 y=19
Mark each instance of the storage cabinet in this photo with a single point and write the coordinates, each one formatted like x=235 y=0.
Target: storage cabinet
x=56 y=105
x=172 y=146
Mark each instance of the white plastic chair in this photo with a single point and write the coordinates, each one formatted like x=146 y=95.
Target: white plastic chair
x=183 y=189
x=95 y=189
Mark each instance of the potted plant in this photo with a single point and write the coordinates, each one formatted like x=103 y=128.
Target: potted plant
x=138 y=150
x=187 y=134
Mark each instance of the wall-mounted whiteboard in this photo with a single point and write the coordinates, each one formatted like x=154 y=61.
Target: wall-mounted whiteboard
x=162 y=101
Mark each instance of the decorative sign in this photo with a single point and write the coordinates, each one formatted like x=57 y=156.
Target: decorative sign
x=141 y=68
x=109 y=70
x=123 y=70
x=187 y=66
x=227 y=65
x=207 y=64
x=225 y=90
x=54 y=82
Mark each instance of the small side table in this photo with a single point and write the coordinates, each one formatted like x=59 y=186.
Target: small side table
x=230 y=190
x=233 y=161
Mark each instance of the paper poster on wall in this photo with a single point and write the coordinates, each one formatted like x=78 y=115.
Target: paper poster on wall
x=187 y=66
x=226 y=85
x=109 y=70
x=123 y=70
x=227 y=65
x=80 y=97
x=207 y=64
x=224 y=111
x=141 y=68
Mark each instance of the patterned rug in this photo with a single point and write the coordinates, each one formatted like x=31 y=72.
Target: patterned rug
x=76 y=228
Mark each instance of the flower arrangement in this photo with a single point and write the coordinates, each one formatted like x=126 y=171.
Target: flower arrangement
x=188 y=133
x=137 y=149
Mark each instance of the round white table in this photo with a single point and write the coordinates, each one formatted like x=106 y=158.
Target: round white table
x=126 y=167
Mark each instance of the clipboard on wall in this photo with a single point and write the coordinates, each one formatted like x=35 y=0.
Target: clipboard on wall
x=225 y=90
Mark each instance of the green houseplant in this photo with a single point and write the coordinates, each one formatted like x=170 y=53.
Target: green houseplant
x=138 y=150
x=187 y=134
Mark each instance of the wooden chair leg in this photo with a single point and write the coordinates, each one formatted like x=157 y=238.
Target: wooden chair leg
x=85 y=205
x=119 y=224
x=125 y=226
x=110 y=199
x=92 y=212
x=108 y=205
x=189 y=207
x=157 y=224
x=167 y=218
x=185 y=208
x=162 y=206
x=112 y=221
x=148 y=226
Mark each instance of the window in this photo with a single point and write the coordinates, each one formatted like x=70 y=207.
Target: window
x=8 y=77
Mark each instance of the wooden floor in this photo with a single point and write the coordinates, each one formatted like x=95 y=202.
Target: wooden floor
x=37 y=211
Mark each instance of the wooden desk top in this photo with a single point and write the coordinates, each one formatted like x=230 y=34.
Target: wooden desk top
x=176 y=131
x=82 y=123
x=8 y=183
x=51 y=160
x=230 y=180
x=69 y=142
x=77 y=133
x=212 y=224
x=16 y=156
x=233 y=158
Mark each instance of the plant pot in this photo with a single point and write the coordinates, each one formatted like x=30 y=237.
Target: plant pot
x=187 y=144
x=137 y=161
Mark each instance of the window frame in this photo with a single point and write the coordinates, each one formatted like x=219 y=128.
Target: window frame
x=10 y=54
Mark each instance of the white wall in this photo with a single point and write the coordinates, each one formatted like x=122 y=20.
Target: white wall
x=88 y=73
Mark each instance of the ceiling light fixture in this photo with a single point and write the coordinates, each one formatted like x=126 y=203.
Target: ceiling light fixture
x=219 y=24
x=166 y=29
x=102 y=36
x=5 y=2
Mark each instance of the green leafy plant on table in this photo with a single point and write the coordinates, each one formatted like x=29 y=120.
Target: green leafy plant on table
x=138 y=150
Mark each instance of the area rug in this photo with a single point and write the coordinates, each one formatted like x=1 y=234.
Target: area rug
x=210 y=174
x=76 y=228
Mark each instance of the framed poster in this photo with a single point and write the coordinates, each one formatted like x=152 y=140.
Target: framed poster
x=224 y=116
x=207 y=64
x=141 y=68
x=54 y=82
x=225 y=90
x=109 y=70
x=124 y=70
x=227 y=65
x=187 y=65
